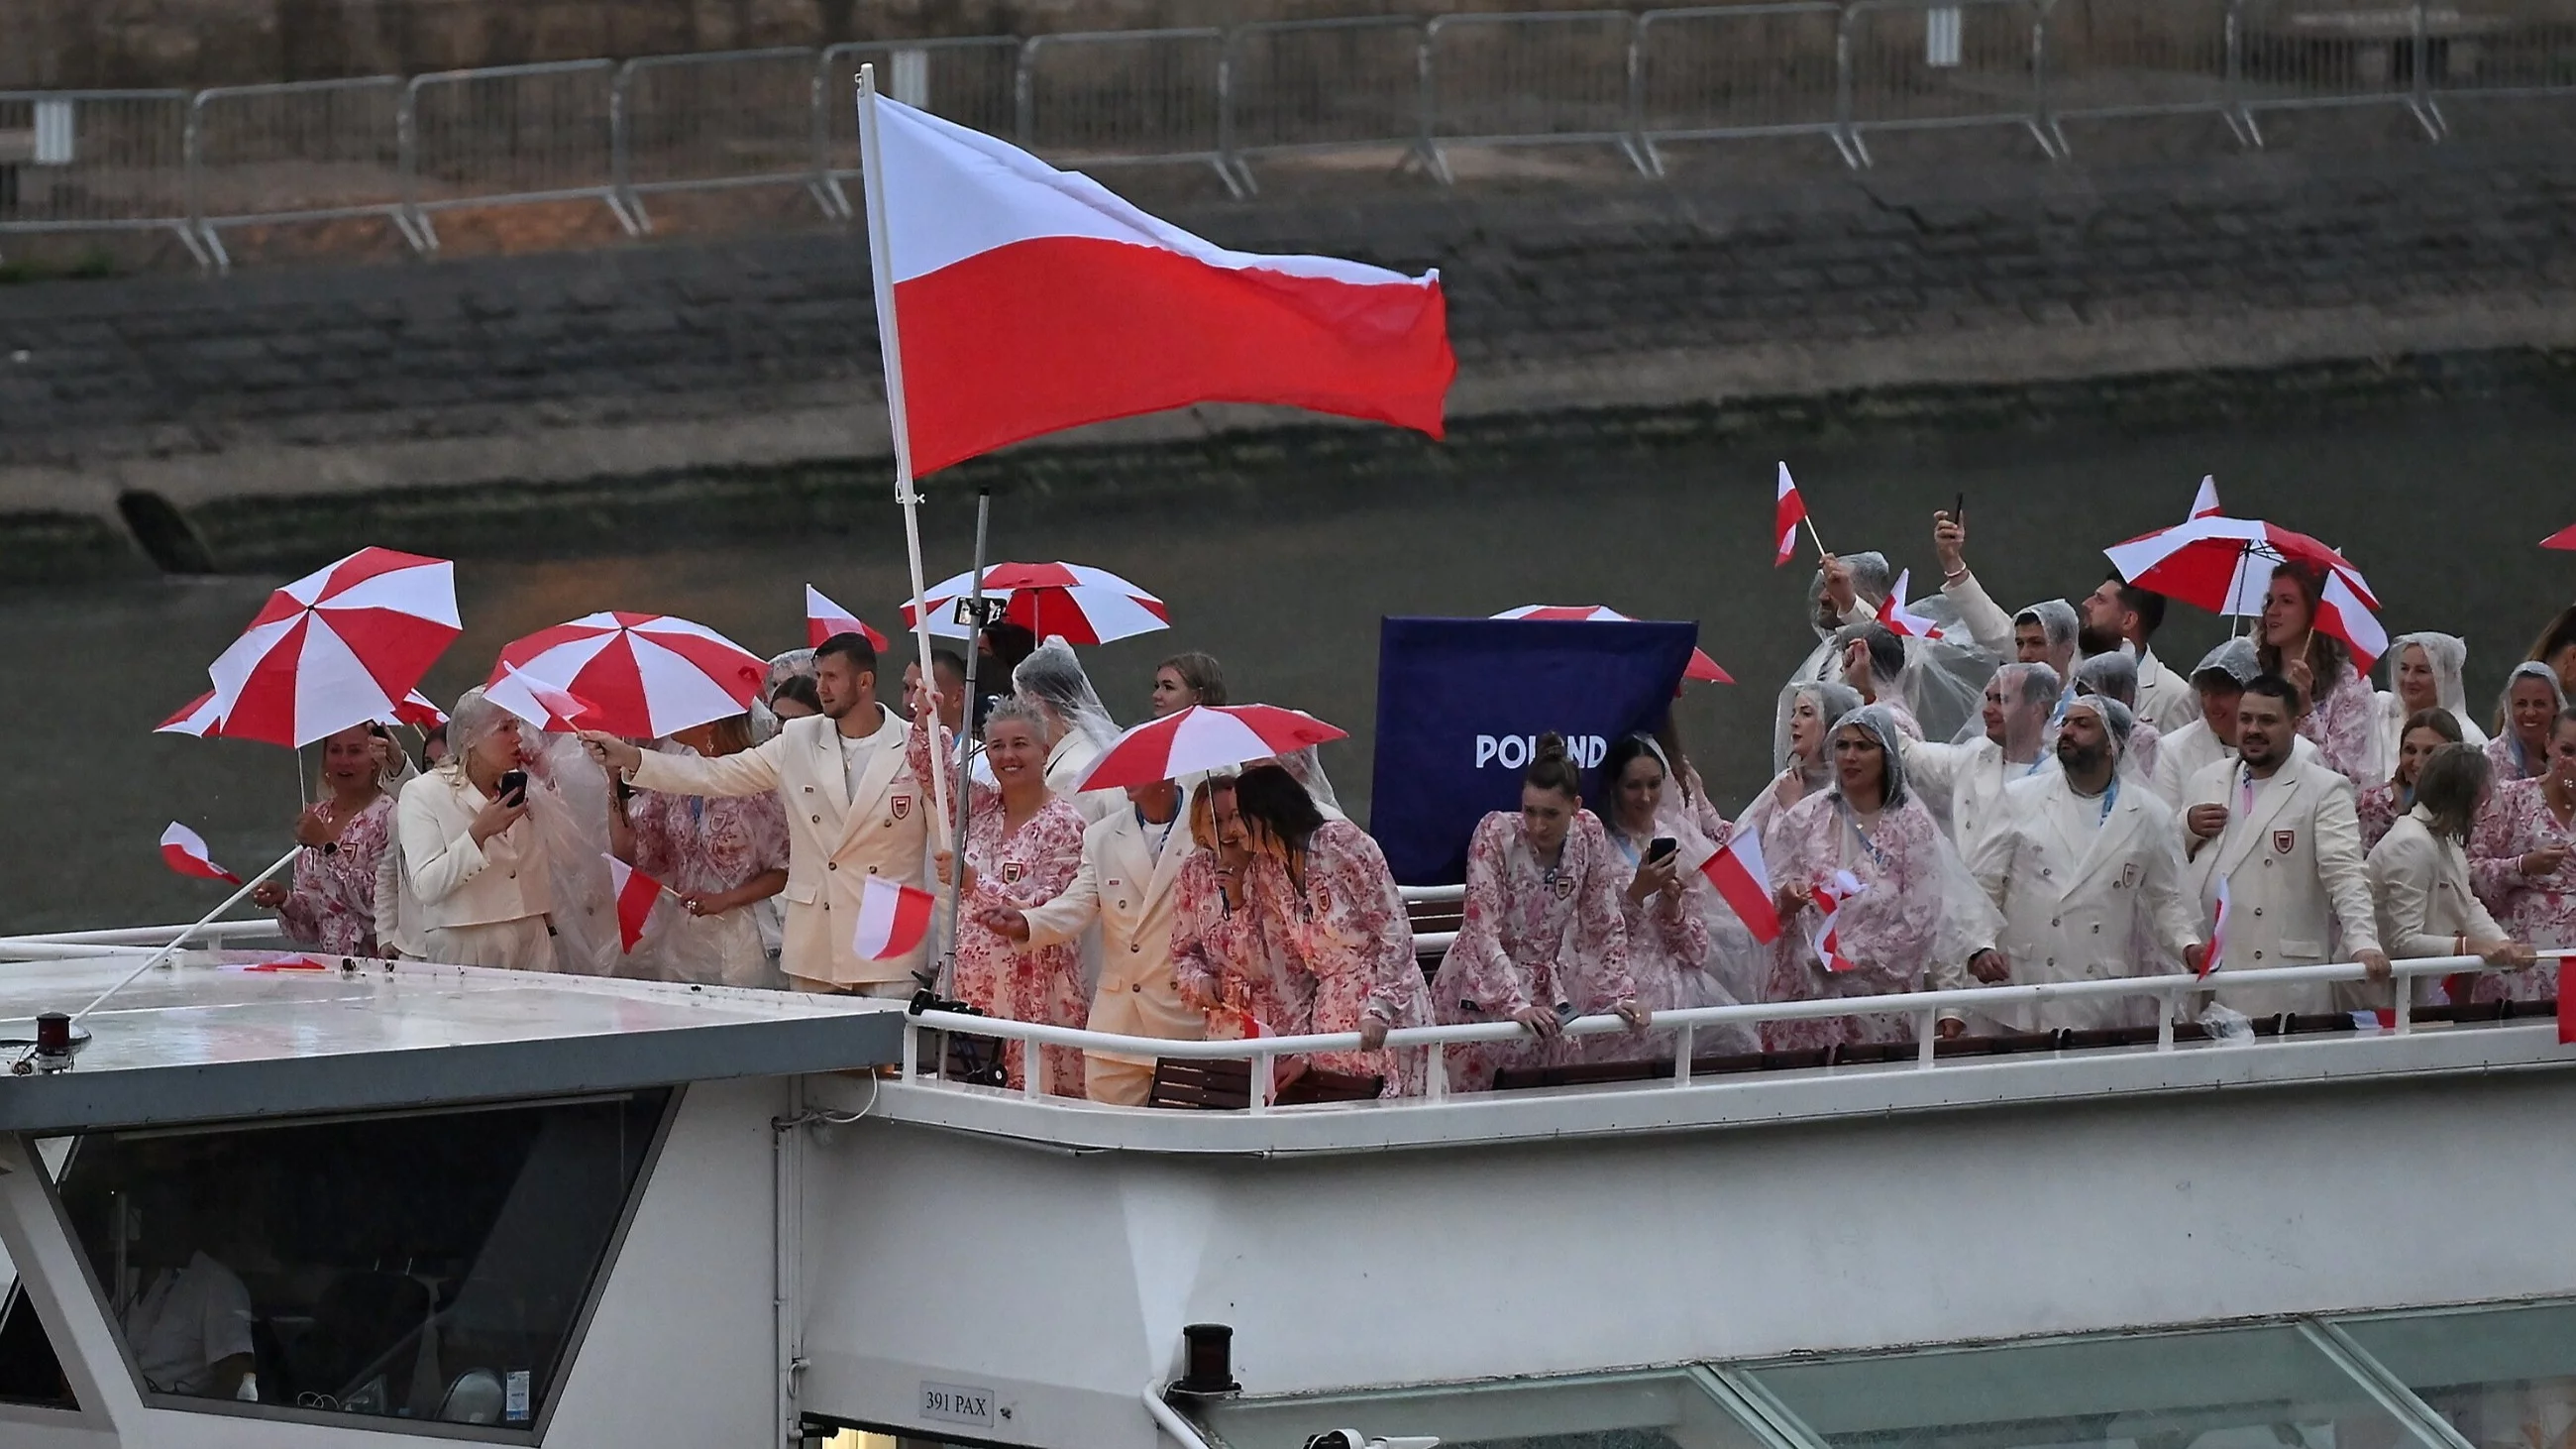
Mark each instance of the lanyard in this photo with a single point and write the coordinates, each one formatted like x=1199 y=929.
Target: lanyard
x=2110 y=797
x=1148 y=828
x=1843 y=808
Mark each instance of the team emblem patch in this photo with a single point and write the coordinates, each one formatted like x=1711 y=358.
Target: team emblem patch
x=902 y=807
x=1564 y=887
x=1012 y=870
x=2284 y=841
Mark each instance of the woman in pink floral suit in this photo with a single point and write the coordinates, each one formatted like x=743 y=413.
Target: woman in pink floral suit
x=1320 y=894
x=1023 y=846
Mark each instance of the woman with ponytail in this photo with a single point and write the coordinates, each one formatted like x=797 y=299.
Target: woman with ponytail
x=1543 y=939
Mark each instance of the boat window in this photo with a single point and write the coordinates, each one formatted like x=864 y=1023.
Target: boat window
x=428 y=1265
x=2500 y=1375
x=1639 y=1411
x=2250 y=1388
x=30 y=1371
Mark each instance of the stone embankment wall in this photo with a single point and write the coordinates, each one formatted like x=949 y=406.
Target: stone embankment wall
x=278 y=414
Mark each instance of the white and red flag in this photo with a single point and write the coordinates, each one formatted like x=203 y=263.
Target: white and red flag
x=1790 y=511
x=2204 y=504
x=2342 y=615
x=2217 y=934
x=823 y=619
x=1830 y=897
x=635 y=892
x=1029 y=300
x=556 y=711
x=1744 y=883
x=1893 y=613
x=893 y=919
x=184 y=851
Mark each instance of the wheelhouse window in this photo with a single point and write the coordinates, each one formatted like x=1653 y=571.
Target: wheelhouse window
x=430 y=1265
x=30 y=1371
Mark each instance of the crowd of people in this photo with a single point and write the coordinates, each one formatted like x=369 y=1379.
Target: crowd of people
x=2029 y=796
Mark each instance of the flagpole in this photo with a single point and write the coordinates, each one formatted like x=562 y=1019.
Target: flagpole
x=890 y=347
x=181 y=939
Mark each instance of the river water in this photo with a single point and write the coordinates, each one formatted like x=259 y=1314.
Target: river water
x=2439 y=503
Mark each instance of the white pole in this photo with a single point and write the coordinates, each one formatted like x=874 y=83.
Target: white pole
x=890 y=346
x=181 y=939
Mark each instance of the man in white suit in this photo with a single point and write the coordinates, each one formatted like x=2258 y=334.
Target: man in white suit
x=854 y=810
x=1131 y=860
x=2120 y=613
x=2279 y=828
x=2087 y=877
x=1970 y=778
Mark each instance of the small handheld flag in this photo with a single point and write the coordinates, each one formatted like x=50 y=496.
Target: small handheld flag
x=2217 y=933
x=1744 y=883
x=184 y=851
x=823 y=619
x=635 y=892
x=1830 y=898
x=1903 y=621
x=893 y=919
x=1787 y=514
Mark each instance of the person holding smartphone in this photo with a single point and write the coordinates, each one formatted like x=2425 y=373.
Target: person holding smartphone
x=1666 y=905
x=473 y=859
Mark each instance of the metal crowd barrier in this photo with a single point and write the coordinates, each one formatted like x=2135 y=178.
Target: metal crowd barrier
x=1126 y=98
x=1537 y=78
x=1731 y=72
x=972 y=81
x=1316 y=87
x=73 y=161
x=512 y=135
x=1421 y=90
x=716 y=121
x=296 y=152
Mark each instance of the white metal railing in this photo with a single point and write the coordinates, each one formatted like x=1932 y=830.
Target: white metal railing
x=69 y=945
x=1630 y=81
x=1925 y=1007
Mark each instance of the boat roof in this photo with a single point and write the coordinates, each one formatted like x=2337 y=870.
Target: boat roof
x=221 y=1035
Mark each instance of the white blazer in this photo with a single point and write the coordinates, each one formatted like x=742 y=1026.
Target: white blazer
x=2185 y=752
x=837 y=837
x=454 y=881
x=2295 y=871
x=2076 y=908
x=2165 y=699
x=1066 y=763
x=1972 y=779
x=1130 y=893
x=2421 y=884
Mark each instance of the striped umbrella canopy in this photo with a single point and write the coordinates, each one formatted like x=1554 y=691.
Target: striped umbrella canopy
x=641 y=675
x=1074 y=602
x=338 y=647
x=1701 y=667
x=1204 y=737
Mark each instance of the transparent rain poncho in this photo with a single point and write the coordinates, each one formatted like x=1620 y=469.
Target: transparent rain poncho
x=764 y=722
x=2447 y=656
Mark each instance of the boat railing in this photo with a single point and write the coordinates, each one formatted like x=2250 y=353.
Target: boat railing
x=1925 y=1009
x=124 y=940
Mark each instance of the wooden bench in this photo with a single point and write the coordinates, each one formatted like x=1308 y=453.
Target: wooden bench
x=1223 y=1086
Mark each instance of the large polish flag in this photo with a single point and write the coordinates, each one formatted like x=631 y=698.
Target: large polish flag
x=1029 y=299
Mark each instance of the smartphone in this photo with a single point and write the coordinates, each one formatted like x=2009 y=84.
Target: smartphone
x=1660 y=848
x=1959 y=510
x=514 y=783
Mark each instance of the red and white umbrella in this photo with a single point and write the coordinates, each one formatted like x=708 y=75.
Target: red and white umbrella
x=198 y=717
x=2564 y=538
x=336 y=648
x=2220 y=563
x=1701 y=667
x=645 y=675
x=1073 y=602
x=1204 y=737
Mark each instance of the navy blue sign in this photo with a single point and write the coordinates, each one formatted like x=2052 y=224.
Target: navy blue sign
x=1461 y=703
